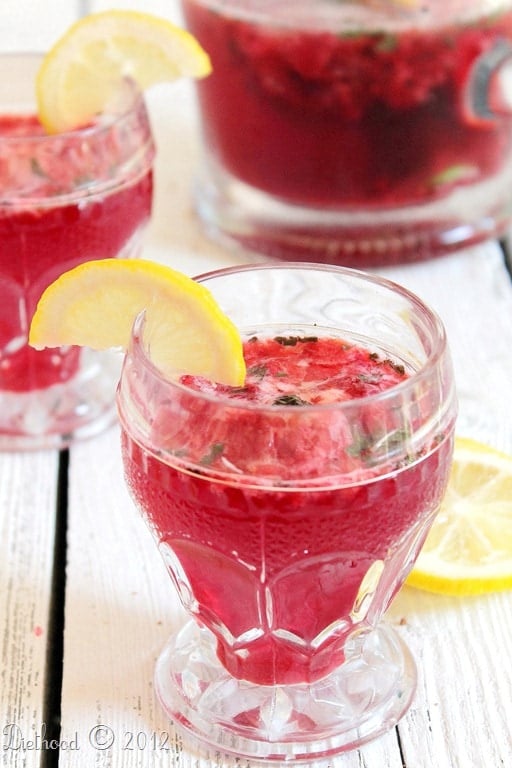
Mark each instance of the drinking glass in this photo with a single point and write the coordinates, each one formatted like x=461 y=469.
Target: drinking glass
x=65 y=199
x=287 y=552
x=356 y=133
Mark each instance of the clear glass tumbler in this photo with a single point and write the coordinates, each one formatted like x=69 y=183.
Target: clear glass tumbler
x=356 y=133
x=65 y=199
x=287 y=531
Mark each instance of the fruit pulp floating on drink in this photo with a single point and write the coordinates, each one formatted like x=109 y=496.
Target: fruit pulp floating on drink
x=373 y=132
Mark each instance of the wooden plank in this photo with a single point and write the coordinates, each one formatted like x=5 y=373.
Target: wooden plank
x=28 y=492
x=28 y=485
x=119 y=611
x=462 y=647
x=460 y=715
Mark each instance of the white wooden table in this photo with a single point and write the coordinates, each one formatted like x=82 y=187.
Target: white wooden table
x=85 y=602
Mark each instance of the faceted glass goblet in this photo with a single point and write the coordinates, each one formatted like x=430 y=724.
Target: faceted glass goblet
x=287 y=531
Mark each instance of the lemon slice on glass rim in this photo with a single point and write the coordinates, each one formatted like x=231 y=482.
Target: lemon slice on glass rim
x=83 y=72
x=469 y=548
x=95 y=305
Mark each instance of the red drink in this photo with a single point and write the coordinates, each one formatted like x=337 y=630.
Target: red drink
x=66 y=198
x=289 y=511
x=355 y=109
x=51 y=227
x=289 y=560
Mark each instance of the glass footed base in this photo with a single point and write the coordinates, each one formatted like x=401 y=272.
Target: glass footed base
x=60 y=415
x=359 y=701
x=238 y=215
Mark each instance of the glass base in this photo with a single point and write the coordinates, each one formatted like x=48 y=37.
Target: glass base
x=360 y=700
x=56 y=417
x=238 y=215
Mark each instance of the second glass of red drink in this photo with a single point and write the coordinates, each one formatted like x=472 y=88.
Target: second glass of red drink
x=65 y=199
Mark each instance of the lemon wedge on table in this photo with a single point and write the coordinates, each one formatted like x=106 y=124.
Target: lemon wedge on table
x=95 y=305
x=469 y=547
x=81 y=74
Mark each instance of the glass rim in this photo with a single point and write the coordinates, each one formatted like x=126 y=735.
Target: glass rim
x=138 y=348
x=365 y=18
x=126 y=116
x=100 y=124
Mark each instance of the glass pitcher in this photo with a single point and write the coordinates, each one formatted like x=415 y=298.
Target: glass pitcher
x=355 y=132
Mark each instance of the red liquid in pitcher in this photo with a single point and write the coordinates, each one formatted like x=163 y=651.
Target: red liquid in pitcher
x=49 y=230
x=351 y=119
x=276 y=562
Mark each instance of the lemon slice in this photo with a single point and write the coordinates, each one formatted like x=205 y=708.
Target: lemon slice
x=469 y=547
x=95 y=304
x=84 y=70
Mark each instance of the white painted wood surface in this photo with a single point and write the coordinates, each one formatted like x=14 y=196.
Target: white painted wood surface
x=120 y=606
x=28 y=485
